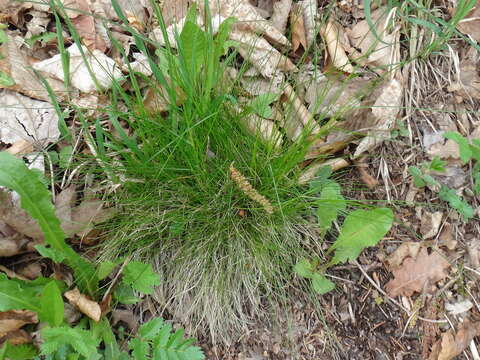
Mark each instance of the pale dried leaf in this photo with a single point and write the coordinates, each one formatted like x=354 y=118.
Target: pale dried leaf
x=38 y=23
x=126 y=316
x=26 y=119
x=104 y=68
x=418 y=273
x=470 y=24
x=453 y=344
x=446 y=237
x=13 y=320
x=467 y=85
x=31 y=271
x=384 y=113
x=381 y=55
x=407 y=249
x=14 y=63
x=84 y=216
x=259 y=85
x=84 y=304
x=9 y=246
x=263 y=128
x=279 y=19
x=21 y=147
x=430 y=224
x=459 y=307
x=298 y=28
x=310 y=19
x=87 y=30
x=331 y=34
x=140 y=64
x=174 y=10
x=263 y=56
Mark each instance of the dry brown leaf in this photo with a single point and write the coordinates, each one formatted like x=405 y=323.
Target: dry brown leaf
x=383 y=115
x=453 y=344
x=279 y=19
x=83 y=216
x=16 y=337
x=300 y=111
x=263 y=56
x=31 y=271
x=407 y=249
x=382 y=55
x=21 y=147
x=84 y=304
x=27 y=119
x=331 y=34
x=467 y=85
x=12 y=245
x=174 y=11
x=446 y=237
x=365 y=176
x=17 y=218
x=470 y=24
x=430 y=224
x=14 y=63
x=264 y=128
x=127 y=317
x=87 y=30
x=13 y=320
x=415 y=274
x=298 y=28
x=310 y=13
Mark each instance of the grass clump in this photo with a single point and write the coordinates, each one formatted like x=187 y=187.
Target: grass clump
x=218 y=210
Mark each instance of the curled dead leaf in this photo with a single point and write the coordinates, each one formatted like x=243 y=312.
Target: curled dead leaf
x=452 y=344
x=417 y=273
x=279 y=19
x=331 y=33
x=381 y=51
x=84 y=304
x=13 y=320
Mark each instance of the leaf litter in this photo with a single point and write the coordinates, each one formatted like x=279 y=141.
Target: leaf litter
x=370 y=106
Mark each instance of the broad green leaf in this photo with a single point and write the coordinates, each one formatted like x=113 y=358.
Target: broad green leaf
x=124 y=294
x=105 y=268
x=193 y=43
x=80 y=340
x=6 y=80
x=456 y=202
x=64 y=156
x=48 y=252
x=476 y=178
x=140 y=349
x=464 y=146
x=361 y=229
x=151 y=328
x=321 y=284
x=36 y=200
x=14 y=296
x=140 y=277
x=304 y=269
x=18 y=352
x=417 y=176
x=261 y=104
x=52 y=307
x=437 y=164
x=330 y=203
x=475 y=149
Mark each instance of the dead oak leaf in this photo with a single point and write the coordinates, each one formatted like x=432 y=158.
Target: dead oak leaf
x=14 y=62
x=452 y=344
x=416 y=273
x=84 y=304
x=13 y=320
x=470 y=24
x=298 y=28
